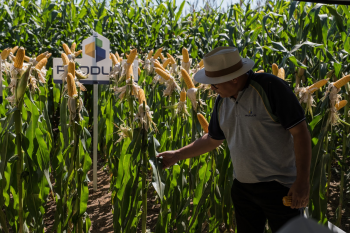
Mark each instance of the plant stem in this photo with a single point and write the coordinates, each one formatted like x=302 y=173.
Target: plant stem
x=3 y=221
x=144 y=178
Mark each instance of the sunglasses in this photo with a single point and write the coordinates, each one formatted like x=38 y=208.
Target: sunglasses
x=213 y=85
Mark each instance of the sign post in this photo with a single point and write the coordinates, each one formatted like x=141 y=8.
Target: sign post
x=95 y=135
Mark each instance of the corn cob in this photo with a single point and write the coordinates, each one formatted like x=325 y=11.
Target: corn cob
x=287 y=200
x=341 y=104
x=201 y=63
x=204 y=123
x=156 y=55
x=78 y=53
x=132 y=56
x=20 y=58
x=166 y=63
x=120 y=59
x=71 y=68
x=183 y=95
x=274 y=69
x=14 y=49
x=117 y=56
x=72 y=47
x=41 y=56
x=158 y=65
x=127 y=56
x=26 y=58
x=113 y=58
x=185 y=56
x=23 y=83
x=260 y=71
x=161 y=56
x=66 y=49
x=150 y=54
x=317 y=85
x=341 y=82
x=138 y=70
x=162 y=73
x=141 y=96
x=187 y=79
x=172 y=58
x=8 y=53
x=72 y=89
x=48 y=55
x=281 y=73
x=129 y=72
x=41 y=63
x=64 y=59
x=4 y=54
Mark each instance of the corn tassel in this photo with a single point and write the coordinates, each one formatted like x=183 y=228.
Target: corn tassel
x=204 y=123
x=19 y=58
x=317 y=85
x=65 y=59
x=185 y=56
x=72 y=89
x=71 y=68
x=341 y=104
x=187 y=79
x=66 y=49
x=163 y=73
x=72 y=47
x=157 y=54
x=41 y=64
x=78 y=53
x=132 y=56
x=341 y=82
x=150 y=54
x=274 y=69
x=183 y=95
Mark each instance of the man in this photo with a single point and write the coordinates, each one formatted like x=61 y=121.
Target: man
x=265 y=129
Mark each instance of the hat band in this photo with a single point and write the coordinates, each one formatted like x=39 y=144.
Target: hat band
x=229 y=70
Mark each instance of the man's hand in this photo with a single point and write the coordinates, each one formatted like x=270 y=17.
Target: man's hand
x=300 y=194
x=169 y=158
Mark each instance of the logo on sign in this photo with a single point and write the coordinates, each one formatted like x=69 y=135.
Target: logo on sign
x=95 y=50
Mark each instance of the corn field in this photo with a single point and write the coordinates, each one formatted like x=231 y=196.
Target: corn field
x=45 y=128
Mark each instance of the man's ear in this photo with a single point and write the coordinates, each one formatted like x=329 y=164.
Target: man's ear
x=234 y=80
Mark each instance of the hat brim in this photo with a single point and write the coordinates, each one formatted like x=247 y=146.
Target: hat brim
x=202 y=78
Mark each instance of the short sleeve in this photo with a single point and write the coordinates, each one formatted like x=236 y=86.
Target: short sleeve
x=284 y=103
x=214 y=129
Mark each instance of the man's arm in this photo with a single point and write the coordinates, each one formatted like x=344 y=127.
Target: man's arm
x=196 y=148
x=302 y=149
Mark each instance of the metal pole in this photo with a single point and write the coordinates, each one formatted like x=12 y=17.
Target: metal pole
x=94 y=162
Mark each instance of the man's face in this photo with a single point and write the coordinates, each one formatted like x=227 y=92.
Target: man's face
x=226 y=89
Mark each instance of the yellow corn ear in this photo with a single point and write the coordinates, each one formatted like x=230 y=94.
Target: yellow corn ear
x=204 y=123
x=8 y=53
x=26 y=58
x=132 y=56
x=66 y=49
x=150 y=53
x=72 y=47
x=162 y=73
x=341 y=82
x=129 y=72
x=23 y=83
x=41 y=56
x=41 y=63
x=48 y=55
x=274 y=69
x=161 y=56
x=14 y=49
x=113 y=58
x=78 y=53
x=71 y=68
x=317 y=85
x=158 y=65
x=287 y=200
x=4 y=54
x=185 y=56
x=183 y=95
x=117 y=56
x=341 y=104
x=172 y=58
x=157 y=54
x=281 y=73
x=138 y=70
x=65 y=59
x=20 y=58
x=72 y=89
x=166 y=63
x=187 y=79
x=260 y=71
x=141 y=96
x=201 y=63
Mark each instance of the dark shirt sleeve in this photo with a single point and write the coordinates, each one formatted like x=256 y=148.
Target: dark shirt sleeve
x=284 y=103
x=214 y=129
